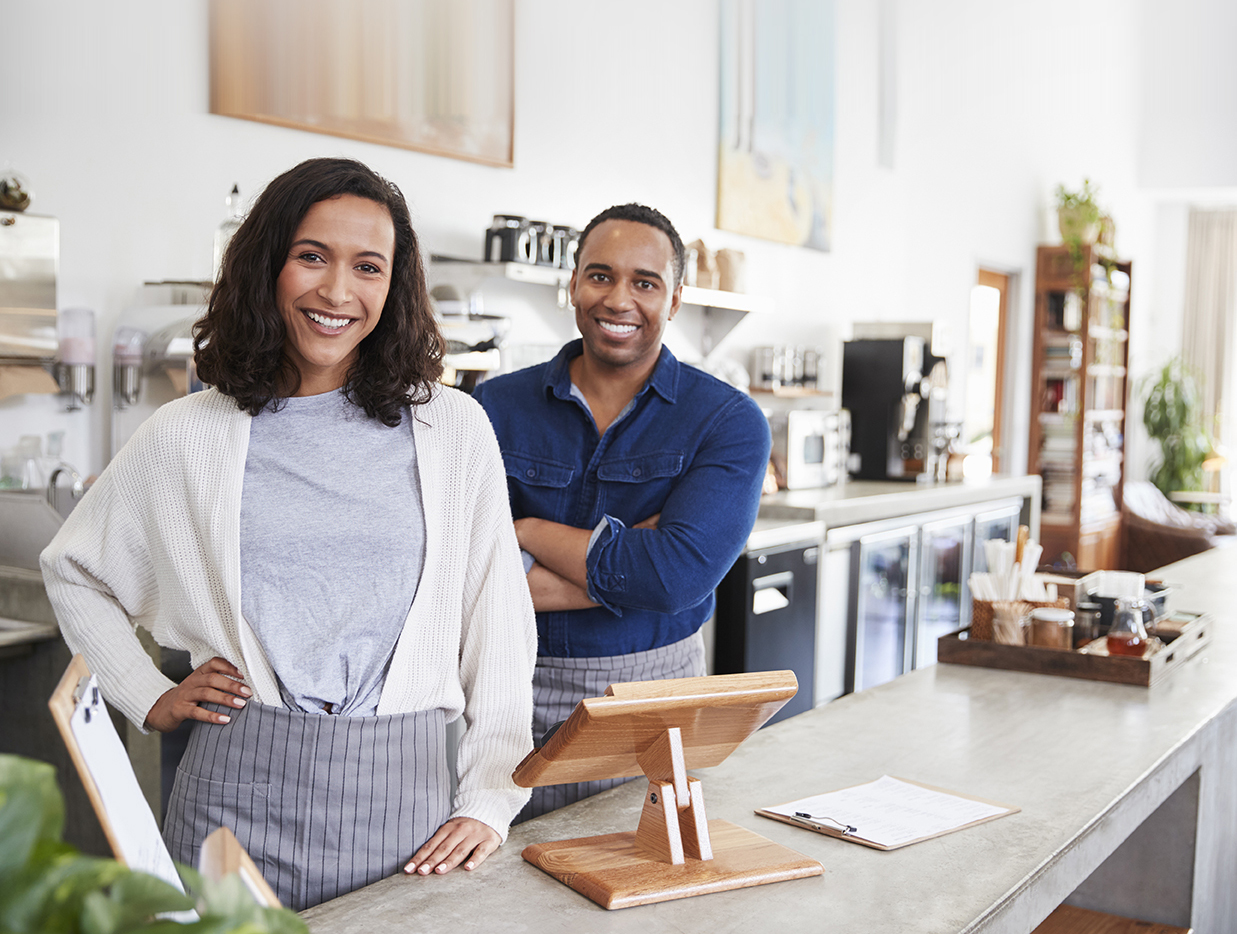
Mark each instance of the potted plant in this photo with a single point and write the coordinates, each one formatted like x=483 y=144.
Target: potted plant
x=1078 y=215
x=1172 y=414
x=47 y=886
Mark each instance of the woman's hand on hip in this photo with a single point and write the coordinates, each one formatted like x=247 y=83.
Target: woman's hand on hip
x=459 y=839
x=217 y=681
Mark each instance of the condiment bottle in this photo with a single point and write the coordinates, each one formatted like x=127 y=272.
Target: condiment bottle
x=1128 y=635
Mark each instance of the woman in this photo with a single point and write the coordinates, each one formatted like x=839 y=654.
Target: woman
x=326 y=531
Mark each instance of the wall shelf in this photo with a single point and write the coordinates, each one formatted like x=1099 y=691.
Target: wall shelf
x=720 y=311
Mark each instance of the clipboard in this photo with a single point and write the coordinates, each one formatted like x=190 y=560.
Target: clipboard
x=824 y=824
x=102 y=763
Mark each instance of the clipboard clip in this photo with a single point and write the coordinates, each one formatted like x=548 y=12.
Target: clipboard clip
x=844 y=829
x=79 y=695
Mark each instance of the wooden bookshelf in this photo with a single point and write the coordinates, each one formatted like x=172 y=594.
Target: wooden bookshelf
x=1078 y=402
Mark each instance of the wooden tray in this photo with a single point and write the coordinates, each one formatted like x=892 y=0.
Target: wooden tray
x=1091 y=662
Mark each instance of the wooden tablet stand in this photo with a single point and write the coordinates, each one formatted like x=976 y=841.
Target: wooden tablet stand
x=660 y=729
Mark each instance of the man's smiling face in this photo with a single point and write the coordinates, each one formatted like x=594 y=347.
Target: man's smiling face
x=624 y=293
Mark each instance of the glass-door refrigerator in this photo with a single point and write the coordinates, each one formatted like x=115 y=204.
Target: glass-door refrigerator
x=999 y=523
x=883 y=597
x=944 y=556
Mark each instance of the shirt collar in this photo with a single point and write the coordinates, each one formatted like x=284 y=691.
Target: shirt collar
x=664 y=381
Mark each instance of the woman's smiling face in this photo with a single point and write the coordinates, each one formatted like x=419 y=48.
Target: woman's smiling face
x=333 y=286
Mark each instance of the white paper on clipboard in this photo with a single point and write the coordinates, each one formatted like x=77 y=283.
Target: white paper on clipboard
x=136 y=833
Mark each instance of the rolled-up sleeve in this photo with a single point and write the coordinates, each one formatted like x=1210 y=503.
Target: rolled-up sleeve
x=702 y=529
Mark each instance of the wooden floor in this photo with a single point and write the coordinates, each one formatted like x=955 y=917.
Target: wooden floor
x=1070 y=920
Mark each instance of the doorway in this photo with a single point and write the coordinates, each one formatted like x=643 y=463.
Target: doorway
x=985 y=373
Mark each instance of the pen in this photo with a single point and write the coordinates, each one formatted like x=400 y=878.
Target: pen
x=844 y=829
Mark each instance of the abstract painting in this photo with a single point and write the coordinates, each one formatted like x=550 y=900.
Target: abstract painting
x=775 y=164
x=430 y=75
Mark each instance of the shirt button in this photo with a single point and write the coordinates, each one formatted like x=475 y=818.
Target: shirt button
x=530 y=473
x=635 y=472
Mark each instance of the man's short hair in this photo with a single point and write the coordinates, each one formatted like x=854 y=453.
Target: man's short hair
x=642 y=214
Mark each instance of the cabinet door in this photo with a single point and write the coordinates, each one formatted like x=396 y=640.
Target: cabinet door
x=832 y=623
x=884 y=600
x=998 y=523
x=944 y=563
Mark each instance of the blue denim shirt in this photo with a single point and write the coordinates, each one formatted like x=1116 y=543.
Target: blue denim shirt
x=690 y=448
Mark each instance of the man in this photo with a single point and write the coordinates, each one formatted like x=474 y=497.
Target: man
x=634 y=480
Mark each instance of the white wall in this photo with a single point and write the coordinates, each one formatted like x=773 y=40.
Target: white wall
x=1189 y=114
x=105 y=108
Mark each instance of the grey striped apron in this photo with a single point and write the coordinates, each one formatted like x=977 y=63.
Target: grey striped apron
x=561 y=683
x=323 y=804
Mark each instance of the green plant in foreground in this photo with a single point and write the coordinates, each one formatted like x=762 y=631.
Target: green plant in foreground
x=48 y=887
x=1172 y=415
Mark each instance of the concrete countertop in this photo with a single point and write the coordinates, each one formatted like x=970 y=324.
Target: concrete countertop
x=869 y=500
x=1087 y=762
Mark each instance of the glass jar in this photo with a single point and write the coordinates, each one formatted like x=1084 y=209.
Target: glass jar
x=1051 y=627
x=1086 y=623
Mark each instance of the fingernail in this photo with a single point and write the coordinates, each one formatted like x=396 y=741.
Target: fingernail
x=410 y=868
x=440 y=869
x=246 y=691
x=224 y=718
x=468 y=865
x=424 y=870
x=238 y=701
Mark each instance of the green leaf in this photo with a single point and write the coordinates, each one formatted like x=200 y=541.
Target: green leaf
x=48 y=896
x=149 y=895
x=100 y=915
x=229 y=898
x=31 y=809
x=283 y=921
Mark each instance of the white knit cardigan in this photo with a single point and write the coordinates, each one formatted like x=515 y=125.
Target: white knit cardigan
x=156 y=543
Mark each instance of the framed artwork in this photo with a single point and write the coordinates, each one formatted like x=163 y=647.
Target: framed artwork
x=775 y=154
x=431 y=75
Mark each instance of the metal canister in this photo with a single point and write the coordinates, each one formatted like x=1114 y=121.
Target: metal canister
x=509 y=240
x=764 y=375
x=811 y=367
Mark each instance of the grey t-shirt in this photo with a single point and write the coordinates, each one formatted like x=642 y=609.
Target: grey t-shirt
x=332 y=548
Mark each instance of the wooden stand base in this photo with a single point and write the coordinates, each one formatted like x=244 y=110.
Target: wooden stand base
x=615 y=873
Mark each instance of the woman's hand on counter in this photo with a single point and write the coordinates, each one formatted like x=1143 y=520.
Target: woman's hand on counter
x=217 y=681
x=459 y=839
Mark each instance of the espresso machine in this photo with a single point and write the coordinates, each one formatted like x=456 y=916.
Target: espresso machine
x=896 y=391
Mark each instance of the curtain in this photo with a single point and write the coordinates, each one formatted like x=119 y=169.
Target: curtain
x=1209 y=341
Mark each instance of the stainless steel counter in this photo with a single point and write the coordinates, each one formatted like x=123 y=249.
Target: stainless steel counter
x=1091 y=765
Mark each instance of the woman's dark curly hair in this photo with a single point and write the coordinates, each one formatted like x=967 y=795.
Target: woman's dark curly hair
x=238 y=344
